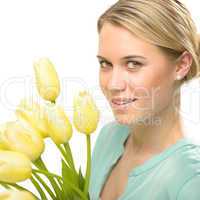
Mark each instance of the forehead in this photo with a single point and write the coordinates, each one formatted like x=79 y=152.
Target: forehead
x=120 y=41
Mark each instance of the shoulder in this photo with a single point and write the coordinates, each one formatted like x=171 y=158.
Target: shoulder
x=190 y=188
x=104 y=147
x=186 y=172
x=188 y=159
x=108 y=143
x=105 y=138
x=104 y=134
x=105 y=131
x=100 y=142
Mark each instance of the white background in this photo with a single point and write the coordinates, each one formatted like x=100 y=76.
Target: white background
x=65 y=31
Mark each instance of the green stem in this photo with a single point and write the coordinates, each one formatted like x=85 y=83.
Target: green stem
x=5 y=185
x=60 y=179
x=65 y=156
x=44 y=185
x=69 y=153
x=19 y=187
x=52 y=175
x=41 y=165
x=39 y=189
x=60 y=182
x=48 y=174
x=88 y=169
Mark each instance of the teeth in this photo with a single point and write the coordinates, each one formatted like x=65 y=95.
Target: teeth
x=123 y=102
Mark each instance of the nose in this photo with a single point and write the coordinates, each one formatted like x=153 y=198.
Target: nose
x=116 y=82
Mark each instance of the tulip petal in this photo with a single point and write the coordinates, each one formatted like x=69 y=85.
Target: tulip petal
x=47 y=80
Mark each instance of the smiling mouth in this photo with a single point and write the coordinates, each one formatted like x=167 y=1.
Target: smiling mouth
x=122 y=105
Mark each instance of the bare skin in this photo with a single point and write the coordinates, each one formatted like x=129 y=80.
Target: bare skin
x=153 y=82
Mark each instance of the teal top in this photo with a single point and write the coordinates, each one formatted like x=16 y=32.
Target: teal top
x=173 y=174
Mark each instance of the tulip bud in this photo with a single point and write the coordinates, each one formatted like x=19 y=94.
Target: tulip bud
x=86 y=114
x=16 y=195
x=2 y=129
x=22 y=138
x=14 y=167
x=34 y=114
x=47 y=80
x=60 y=128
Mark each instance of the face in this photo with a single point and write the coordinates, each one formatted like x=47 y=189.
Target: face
x=136 y=77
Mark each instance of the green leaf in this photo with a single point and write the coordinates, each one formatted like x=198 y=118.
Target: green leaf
x=39 y=163
x=81 y=180
x=68 y=175
x=70 y=183
x=39 y=189
x=47 y=188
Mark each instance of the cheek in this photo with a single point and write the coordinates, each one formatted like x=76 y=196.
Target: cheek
x=155 y=88
x=161 y=89
x=164 y=95
x=103 y=82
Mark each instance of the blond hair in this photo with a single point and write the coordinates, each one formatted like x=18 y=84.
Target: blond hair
x=165 y=23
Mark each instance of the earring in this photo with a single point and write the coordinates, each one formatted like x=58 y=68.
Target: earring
x=178 y=77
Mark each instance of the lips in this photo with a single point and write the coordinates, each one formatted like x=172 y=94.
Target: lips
x=122 y=101
x=122 y=105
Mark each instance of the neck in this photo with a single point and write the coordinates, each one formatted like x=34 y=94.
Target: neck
x=151 y=137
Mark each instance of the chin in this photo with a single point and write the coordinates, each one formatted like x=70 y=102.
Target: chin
x=131 y=120
x=125 y=119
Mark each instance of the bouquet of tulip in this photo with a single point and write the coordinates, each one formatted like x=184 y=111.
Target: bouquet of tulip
x=22 y=142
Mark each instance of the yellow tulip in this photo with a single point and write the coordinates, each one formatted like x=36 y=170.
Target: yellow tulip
x=60 y=128
x=20 y=137
x=86 y=115
x=16 y=195
x=47 y=80
x=2 y=129
x=34 y=114
x=14 y=166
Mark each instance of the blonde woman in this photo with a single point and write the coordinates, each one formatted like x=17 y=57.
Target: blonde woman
x=147 y=50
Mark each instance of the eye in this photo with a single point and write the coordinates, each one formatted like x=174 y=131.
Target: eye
x=133 y=64
x=104 y=64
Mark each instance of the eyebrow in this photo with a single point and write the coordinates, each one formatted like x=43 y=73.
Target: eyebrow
x=124 y=58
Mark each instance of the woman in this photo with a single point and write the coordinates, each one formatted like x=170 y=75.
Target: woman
x=147 y=50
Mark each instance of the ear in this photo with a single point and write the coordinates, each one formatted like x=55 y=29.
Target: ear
x=183 y=64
